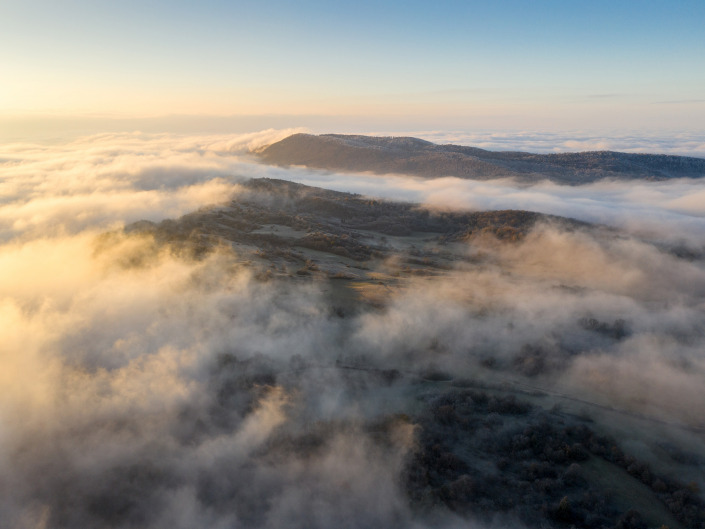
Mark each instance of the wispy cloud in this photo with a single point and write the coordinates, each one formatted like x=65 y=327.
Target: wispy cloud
x=680 y=143
x=606 y=96
x=110 y=179
x=681 y=102
x=141 y=388
x=672 y=209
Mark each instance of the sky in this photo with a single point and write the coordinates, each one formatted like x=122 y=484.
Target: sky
x=509 y=64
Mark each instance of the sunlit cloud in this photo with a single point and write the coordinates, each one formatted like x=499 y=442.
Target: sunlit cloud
x=669 y=209
x=145 y=387
x=684 y=143
x=109 y=179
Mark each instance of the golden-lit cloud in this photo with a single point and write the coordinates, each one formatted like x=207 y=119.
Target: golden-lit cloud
x=142 y=386
x=110 y=179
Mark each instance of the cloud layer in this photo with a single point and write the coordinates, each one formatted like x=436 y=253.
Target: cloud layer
x=142 y=388
x=110 y=179
x=683 y=143
x=672 y=210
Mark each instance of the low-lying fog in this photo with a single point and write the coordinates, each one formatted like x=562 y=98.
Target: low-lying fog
x=145 y=389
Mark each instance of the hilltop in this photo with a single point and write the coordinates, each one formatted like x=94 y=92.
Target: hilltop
x=413 y=156
x=304 y=228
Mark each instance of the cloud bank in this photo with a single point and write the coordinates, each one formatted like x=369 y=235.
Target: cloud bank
x=671 y=210
x=683 y=143
x=144 y=388
x=110 y=179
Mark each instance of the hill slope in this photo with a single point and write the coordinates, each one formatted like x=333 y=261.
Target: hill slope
x=284 y=221
x=422 y=158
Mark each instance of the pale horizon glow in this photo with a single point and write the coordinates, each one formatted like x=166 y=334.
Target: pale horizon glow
x=452 y=65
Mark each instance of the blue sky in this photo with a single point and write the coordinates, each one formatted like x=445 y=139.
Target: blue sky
x=511 y=63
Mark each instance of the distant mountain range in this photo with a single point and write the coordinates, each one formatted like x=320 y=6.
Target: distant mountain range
x=413 y=156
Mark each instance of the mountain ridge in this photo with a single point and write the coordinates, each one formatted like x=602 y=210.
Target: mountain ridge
x=280 y=214
x=417 y=157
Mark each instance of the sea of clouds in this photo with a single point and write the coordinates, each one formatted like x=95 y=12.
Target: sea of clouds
x=682 y=143
x=137 y=383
